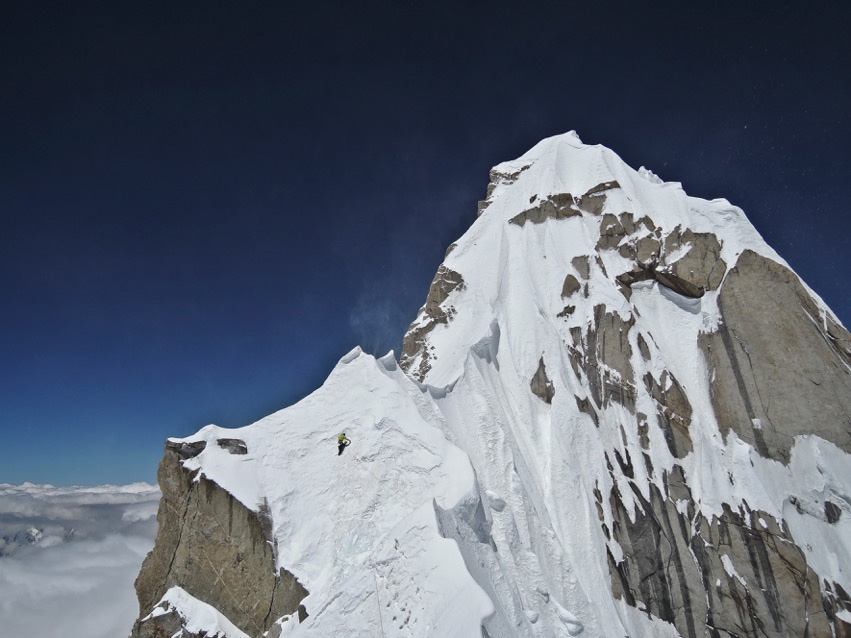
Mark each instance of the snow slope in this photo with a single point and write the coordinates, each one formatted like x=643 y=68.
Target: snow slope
x=359 y=531
x=466 y=504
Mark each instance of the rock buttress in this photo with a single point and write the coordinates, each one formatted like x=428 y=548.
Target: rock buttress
x=779 y=368
x=216 y=549
x=739 y=574
x=416 y=355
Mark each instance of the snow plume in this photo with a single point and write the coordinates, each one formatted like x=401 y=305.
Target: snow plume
x=69 y=556
x=377 y=320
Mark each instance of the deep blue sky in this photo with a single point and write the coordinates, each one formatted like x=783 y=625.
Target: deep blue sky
x=205 y=205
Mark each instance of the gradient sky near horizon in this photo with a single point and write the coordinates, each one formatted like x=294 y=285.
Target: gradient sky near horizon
x=205 y=205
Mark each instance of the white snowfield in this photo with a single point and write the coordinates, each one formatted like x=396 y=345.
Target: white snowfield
x=467 y=502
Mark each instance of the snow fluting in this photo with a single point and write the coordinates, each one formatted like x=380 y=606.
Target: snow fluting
x=619 y=412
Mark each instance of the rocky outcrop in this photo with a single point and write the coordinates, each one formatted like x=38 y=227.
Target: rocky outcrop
x=594 y=199
x=498 y=178
x=234 y=446
x=214 y=548
x=565 y=205
x=674 y=412
x=669 y=280
x=414 y=344
x=702 y=265
x=779 y=368
x=560 y=206
x=691 y=274
x=612 y=232
x=541 y=386
x=582 y=265
x=167 y=624
x=606 y=360
x=570 y=286
x=740 y=574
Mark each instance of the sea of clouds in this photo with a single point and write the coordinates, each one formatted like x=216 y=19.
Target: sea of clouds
x=69 y=556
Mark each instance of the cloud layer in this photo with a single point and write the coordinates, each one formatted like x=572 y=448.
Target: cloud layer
x=73 y=583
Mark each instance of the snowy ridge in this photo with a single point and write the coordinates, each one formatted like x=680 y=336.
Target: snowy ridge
x=480 y=496
x=359 y=531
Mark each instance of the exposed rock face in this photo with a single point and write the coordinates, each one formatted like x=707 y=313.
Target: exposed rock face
x=217 y=550
x=566 y=311
x=164 y=625
x=702 y=265
x=582 y=265
x=678 y=285
x=607 y=360
x=778 y=370
x=674 y=412
x=691 y=274
x=611 y=232
x=430 y=315
x=234 y=446
x=571 y=285
x=565 y=205
x=497 y=178
x=694 y=573
x=594 y=199
x=186 y=450
x=742 y=573
x=541 y=386
x=560 y=206
x=585 y=407
x=646 y=247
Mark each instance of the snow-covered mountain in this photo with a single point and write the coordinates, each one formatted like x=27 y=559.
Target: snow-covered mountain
x=619 y=413
x=25 y=536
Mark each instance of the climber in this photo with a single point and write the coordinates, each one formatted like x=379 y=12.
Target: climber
x=342 y=443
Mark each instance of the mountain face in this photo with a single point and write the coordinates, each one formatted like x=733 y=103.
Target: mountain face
x=618 y=413
x=12 y=541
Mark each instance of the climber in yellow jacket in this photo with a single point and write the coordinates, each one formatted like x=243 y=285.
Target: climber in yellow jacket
x=342 y=443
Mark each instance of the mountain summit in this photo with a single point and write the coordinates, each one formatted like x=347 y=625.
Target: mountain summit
x=618 y=413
